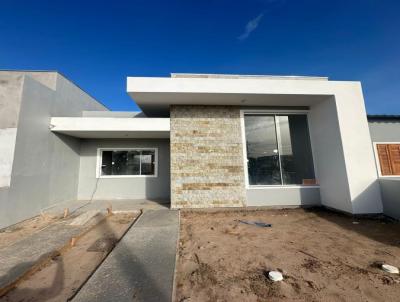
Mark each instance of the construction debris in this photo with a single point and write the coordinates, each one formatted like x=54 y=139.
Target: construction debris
x=84 y=218
x=66 y=212
x=390 y=269
x=73 y=241
x=256 y=223
x=275 y=276
x=109 y=210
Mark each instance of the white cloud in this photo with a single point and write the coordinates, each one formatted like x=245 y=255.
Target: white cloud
x=250 y=27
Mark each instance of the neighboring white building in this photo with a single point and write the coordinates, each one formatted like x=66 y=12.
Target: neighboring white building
x=200 y=141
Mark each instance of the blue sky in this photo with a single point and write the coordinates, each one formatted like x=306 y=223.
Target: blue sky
x=97 y=44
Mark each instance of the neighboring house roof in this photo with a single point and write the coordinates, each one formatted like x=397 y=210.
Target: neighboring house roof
x=37 y=75
x=384 y=117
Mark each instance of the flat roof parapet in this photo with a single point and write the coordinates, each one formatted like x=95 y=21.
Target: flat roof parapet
x=244 y=76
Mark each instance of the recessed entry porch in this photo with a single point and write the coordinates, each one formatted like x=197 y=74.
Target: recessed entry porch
x=121 y=158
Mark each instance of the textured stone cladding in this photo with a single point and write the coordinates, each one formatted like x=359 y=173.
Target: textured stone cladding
x=206 y=157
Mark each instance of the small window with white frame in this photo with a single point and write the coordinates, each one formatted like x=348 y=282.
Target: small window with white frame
x=132 y=162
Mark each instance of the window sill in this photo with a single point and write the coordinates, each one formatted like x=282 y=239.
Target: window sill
x=282 y=187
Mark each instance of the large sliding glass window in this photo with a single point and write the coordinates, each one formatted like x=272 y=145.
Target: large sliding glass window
x=262 y=150
x=278 y=149
x=132 y=162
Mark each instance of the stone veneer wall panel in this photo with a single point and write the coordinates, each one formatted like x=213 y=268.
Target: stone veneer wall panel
x=206 y=157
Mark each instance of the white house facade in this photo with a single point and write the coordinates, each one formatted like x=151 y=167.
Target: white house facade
x=201 y=141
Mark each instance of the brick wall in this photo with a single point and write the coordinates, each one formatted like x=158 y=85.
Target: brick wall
x=206 y=157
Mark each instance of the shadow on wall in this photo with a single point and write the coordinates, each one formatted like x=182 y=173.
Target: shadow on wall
x=71 y=143
x=390 y=188
x=310 y=197
x=152 y=185
x=64 y=169
x=44 y=173
x=366 y=202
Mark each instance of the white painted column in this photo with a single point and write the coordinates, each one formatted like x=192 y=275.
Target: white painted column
x=357 y=148
x=329 y=164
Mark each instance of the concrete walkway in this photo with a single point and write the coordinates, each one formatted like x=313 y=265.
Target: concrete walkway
x=22 y=256
x=29 y=252
x=141 y=267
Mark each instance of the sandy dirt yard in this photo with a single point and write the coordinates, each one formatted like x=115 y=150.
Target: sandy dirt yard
x=323 y=256
x=63 y=276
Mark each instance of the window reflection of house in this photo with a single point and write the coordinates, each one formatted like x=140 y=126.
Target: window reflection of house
x=278 y=149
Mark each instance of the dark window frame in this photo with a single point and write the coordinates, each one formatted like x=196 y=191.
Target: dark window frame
x=99 y=165
x=274 y=113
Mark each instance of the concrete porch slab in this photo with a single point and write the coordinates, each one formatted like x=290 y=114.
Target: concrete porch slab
x=79 y=206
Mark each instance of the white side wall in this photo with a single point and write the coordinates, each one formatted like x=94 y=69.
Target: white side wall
x=328 y=154
x=342 y=149
x=45 y=168
x=390 y=188
x=362 y=176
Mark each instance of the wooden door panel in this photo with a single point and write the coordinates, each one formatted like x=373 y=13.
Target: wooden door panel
x=394 y=153
x=384 y=159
